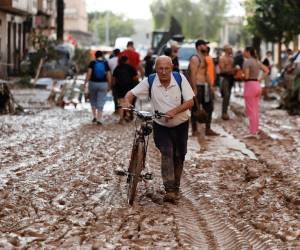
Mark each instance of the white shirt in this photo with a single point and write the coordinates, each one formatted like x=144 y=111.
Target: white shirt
x=165 y=99
x=113 y=63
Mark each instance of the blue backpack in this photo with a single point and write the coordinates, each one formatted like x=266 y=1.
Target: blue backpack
x=177 y=77
x=99 y=70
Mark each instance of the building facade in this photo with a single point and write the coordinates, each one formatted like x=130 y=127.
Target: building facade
x=15 y=25
x=76 y=23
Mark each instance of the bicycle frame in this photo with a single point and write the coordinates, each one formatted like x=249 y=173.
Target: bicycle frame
x=142 y=136
x=139 y=151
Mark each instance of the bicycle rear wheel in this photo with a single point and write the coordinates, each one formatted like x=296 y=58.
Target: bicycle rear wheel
x=135 y=168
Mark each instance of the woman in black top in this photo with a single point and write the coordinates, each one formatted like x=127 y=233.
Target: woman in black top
x=124 y=77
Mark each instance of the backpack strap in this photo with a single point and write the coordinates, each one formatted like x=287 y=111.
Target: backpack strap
x=150 y=82
x=176 y=76
x=178 y=80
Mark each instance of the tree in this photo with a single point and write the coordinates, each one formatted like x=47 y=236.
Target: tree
x=213 y=17
x=118 y=25
x=60 y=5
x=197 y=18
x=275 y=20
x=158 y=10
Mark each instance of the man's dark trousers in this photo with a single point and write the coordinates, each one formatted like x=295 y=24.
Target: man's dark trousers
x=172 y=144
x=226 y=86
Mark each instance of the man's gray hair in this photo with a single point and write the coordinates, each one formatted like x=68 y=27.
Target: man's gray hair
x=163 y=57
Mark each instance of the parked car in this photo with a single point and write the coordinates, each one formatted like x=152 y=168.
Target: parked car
x=59 y=65
x=185 y=52
x=63 y=65
x=290 y=79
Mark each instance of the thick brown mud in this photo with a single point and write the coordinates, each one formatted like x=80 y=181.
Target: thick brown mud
x=59 y=190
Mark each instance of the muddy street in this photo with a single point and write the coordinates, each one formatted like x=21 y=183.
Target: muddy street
x=59 y=190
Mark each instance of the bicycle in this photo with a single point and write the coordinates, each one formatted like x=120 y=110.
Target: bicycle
x=139 y=151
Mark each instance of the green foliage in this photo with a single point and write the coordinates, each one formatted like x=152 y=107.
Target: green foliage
x=274 y=20
x=82 y=57
x=118 y=25
x=214 y=12
x=202 y=18
x=158 y=10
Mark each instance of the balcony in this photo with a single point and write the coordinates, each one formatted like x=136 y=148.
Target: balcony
x=19 y=7
x=45 y=7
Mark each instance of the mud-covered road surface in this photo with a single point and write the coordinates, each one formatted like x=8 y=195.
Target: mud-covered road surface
x=59 y=190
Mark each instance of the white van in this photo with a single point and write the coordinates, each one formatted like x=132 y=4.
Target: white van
x=121 y=42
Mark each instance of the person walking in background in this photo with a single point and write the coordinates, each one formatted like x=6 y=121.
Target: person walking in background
x=149 y=63
x=114 y=60
x=216 y=59
x=238 y=61
x=135 y=61
x=252 y=89
x=268 y=62
x=168 y=52
x=174 y=55
x=113 y=63
x=98 y=78
x=134 y=58
x=226 y=72
x=202 y=86
x=124 y=77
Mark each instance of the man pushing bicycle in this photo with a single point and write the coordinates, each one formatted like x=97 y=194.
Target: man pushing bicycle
x=170 y=93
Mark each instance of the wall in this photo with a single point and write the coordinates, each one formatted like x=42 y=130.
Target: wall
x=3 y=43
x=75 y=15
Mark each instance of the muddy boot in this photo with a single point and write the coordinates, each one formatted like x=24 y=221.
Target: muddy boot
x=194 y=128
x=225 y=116
x=121 y=121
x=171 y=197
x=209 y=131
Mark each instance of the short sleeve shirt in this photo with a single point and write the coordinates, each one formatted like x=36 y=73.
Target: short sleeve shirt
x=113 y=63
x=165 y=99
x=124 y=74
x=254 y=67
x=91 y=66
x=133 y=58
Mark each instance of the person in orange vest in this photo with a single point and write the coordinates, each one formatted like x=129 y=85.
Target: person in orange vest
x=210 y=70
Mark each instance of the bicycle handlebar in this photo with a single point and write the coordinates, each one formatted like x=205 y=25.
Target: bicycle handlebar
x=145 y=115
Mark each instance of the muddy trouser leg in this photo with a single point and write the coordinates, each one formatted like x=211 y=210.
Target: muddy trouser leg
x=226 y=87
x=179 y=138
x=207 y=106
x=115 y=96
x=193 y=119
x=163 y=142
x=194 y=123
x=172 y=143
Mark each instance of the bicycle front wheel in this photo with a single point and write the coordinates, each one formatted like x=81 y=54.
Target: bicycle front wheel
x=135 y=168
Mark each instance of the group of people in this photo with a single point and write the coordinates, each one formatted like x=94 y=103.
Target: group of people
x=119 y=73
x=176 y=97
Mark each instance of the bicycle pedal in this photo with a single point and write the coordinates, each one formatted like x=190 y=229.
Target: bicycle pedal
x=148 y=176
x=120 y=172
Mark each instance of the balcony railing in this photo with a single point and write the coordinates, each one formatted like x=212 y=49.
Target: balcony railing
x=22 y=7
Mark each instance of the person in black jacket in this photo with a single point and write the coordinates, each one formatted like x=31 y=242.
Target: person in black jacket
x=148 y=63
x=124 y=78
